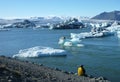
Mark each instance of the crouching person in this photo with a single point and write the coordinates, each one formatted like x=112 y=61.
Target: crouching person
x=81 y=71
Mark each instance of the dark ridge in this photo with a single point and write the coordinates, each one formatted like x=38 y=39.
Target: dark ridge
x=114 y=15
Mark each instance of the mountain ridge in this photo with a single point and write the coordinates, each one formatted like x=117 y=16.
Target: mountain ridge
x=114 y=15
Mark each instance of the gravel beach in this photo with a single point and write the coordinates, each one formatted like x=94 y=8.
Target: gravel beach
x=14 y=70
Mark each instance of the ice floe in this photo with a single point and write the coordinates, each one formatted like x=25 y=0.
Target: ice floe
x=39 y=51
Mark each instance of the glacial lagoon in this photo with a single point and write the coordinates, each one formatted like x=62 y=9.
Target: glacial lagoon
x=100 y=56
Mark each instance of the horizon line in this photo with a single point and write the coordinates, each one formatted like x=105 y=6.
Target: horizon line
x=47 y=16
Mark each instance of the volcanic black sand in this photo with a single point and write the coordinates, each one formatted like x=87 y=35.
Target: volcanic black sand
x=14 y=70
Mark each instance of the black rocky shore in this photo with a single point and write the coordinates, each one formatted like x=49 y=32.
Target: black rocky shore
x=14 y=70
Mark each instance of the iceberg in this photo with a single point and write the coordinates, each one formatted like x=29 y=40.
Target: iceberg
x=114 y=28
x=86 y=35
x=39 y=51
x=118 y=34
x=95 y=32
x=4 y=29
x=70 y=42
x=98 y=30
x=73 y=23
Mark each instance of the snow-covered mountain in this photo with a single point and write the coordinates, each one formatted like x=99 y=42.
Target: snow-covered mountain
x=54 y=19
x=58 y=18
x=44 y=19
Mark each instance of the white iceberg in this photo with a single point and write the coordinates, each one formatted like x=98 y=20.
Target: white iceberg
x=114 y=28
x=70 y=42
x=95 y=33
x=40 y=51
x=86 y=35
x=118 y=34
x=4 y=29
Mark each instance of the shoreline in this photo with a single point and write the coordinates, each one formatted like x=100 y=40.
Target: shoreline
x=14 y=70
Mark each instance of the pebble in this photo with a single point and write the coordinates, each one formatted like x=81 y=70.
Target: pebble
x=71 y=73
x=100 y=78
x=66 y=72
x=41 y=64
x=9 y=80
x=69 y=78
x=57 y=69
x=54 y=79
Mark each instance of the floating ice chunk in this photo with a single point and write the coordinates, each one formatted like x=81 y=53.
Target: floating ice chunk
x=62 y=40
x=114 y=28
x=40 y=51
x=92 y=34
x=80 y=45
x=118 y=34
x=69 y=42
x=81 y=35
x=75 y=40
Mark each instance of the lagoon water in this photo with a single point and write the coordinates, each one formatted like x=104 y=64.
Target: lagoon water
x=100 y=56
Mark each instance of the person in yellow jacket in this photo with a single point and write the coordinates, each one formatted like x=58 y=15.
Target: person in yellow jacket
x=81 y=71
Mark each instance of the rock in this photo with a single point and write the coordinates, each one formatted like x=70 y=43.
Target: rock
x=54 y=79
x=57 y=69
x=75 y=74
x=93 y=79
x=41 y=64
x=2 y=56
x=101 y=78
x=90 y=76
x=69 y=78
x=65 y=72
x=71 y=73
x=9 y=80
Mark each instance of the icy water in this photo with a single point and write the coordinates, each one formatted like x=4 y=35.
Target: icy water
x=100 y=56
